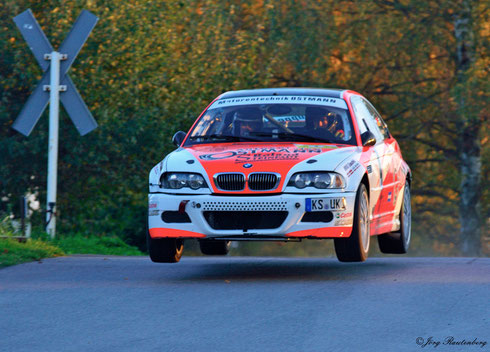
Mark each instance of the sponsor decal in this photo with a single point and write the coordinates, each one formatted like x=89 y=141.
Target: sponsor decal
x=266 y=154
x=158 y=169
x=152 y=205
x=289 y=118
x=218 y=156
x=389 y=196
x=351 y=167
x=266 y=157
x=154 y=212
x=343 y=222
x=351 y=171
x=343 y=215
x=308 y=147
x=349 y=164
x=369 y=169
x=289 y=99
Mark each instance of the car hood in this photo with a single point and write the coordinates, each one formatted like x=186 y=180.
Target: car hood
x=246 y=158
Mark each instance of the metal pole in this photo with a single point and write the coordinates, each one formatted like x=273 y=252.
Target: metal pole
x=23 y=215
x=54 y=103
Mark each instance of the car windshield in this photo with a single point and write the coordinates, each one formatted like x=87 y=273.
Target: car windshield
x=275 y=119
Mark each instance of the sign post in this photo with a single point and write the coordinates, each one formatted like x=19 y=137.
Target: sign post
x=55 y=73
x=54 y=105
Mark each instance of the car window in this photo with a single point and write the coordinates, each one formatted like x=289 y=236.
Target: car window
x=378 y=119
x=291 y=118
x=366 y=120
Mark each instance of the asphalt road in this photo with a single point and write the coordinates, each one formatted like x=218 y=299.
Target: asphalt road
x=97 y=303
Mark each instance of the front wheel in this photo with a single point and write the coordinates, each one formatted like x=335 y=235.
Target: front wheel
x=398 y=242
x=164 y=250
x=356 y=247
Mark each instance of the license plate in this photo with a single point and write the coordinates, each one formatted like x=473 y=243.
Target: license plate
x=322 y=204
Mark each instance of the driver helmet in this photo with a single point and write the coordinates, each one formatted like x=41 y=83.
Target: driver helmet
x=247 y=120
x=316 y=117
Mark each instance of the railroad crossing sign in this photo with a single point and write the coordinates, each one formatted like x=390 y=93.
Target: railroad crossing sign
x=54 y=81
x=42 y=49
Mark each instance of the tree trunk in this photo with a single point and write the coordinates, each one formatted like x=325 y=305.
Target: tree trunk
x=469 y=129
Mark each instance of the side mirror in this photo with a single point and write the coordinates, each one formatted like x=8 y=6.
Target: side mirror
x=368 y=139
x=178 y=138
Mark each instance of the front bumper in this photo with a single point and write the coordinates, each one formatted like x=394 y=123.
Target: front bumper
x=294 y=205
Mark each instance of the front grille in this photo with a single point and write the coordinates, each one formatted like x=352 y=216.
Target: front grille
x=230 y=182
x=245 y=220
x=262 y=181
x=237 y=205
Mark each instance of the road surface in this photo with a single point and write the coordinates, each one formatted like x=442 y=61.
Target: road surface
x=104 y=303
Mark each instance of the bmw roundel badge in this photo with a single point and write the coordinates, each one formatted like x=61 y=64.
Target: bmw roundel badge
x=247 y=165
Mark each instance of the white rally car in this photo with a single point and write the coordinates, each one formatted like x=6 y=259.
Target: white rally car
x=282 y=164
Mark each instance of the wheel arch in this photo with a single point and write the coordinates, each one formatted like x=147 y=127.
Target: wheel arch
x=408 y=177
x=365 y=181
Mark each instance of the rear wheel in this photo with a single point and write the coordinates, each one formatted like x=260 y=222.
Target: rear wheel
x=398 y=242
x=164 y=250
x=356 y=247
x=214 y=247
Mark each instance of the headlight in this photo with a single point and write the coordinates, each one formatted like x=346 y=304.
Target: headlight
x=178 y=180
x=320 y=180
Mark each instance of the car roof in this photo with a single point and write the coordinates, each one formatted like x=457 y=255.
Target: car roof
x=323 y=92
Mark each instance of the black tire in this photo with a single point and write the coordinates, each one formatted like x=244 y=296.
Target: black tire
x=356 y=247
x=164 y=250
x=214 y=247
x=398 y=242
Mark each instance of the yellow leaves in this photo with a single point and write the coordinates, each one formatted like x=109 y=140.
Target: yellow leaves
x=269 y=6
x=12 y=40
x=336 y=62
x=484 y=141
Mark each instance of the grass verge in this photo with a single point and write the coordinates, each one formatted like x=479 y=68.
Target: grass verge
x=81 y=244
x=13 y=252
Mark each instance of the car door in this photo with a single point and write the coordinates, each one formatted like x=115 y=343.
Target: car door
x=389 y=165
x=377 y=163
